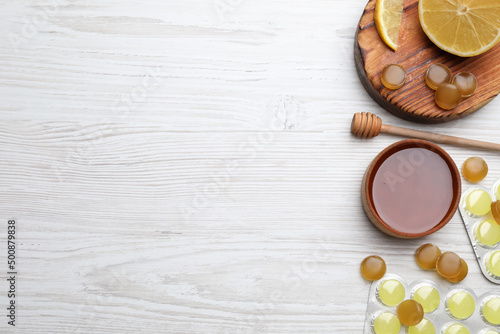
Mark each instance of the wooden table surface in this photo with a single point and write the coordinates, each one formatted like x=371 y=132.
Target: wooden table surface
x=186 y=166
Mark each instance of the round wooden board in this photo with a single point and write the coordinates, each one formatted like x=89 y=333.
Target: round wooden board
x=415 y=101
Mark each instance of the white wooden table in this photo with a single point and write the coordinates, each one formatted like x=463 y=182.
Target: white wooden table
x=186 y=166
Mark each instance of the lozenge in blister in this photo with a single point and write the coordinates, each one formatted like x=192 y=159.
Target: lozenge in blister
x=482 y=227
x=452 y=310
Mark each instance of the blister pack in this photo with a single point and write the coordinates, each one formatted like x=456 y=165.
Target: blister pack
x=479 y=207
x=453 y=310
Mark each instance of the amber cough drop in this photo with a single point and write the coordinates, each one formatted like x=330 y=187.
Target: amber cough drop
x=495 y=211
x=448 y=96
x=373 y=268
x=474 y=169
x=437 y=75
x=449 y=265
x=427 y=255
x=466 y=83
x=393 y=76
x=410 y=312
x=462 y=275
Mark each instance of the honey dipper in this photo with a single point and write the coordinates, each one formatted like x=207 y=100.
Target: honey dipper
x=368 y=125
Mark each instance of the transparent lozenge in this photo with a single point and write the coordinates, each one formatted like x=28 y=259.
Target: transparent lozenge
x=490 y=310
x=493 y=264
x=427 y=255
x=495 y=211
x=460 y=304
x=478 y=202
x=440 y=320
x=436 y=75
x=424 y=327
x=474 y=169
x=386 y=323
x=393 y=76
x=447 y=96
x=373 y=268
x=463 y=273
x=410 y=312
x=449 y=265
x=489 y=331
x=478 y=215
x=391 y=292
x=428 y=296
x=466 y=83
x=487 y=233
x=495 y=206
x=456 y=328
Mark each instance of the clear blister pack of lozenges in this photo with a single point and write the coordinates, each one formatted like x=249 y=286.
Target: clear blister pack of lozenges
x=480 y=211
x=453 y=310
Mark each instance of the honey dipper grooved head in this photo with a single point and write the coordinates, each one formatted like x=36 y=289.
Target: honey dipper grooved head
x=366 y=125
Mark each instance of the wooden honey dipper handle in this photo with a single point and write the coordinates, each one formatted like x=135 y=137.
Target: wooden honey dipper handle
x=368 y=125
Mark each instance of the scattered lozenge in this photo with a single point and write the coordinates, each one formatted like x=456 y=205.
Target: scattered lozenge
x=386 y=323
x=491 y=311
x=424 y=327
x=393 y=76
x=428 y=297
x=461 y=305
x=437 y=75
x=427 y=255
x=474 y=169
x=466 y=83
x=463 y=273
x=478 y=202
x=449 y=265
x=448 y=96
x=456 y=328
x=410 y=312
x=373 y=268
x=487 y=232
x=493 y=263
x=391 y=292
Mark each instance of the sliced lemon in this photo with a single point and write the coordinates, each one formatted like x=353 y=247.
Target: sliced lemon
x=387 y=17
x=464 y=28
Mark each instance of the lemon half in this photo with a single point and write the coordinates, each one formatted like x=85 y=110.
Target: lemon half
x=464 y=28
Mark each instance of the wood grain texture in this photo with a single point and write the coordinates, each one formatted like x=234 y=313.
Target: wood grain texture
x=177 y=168
x=415 y=101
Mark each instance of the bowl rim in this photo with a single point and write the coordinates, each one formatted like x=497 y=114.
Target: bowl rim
x=371 y=171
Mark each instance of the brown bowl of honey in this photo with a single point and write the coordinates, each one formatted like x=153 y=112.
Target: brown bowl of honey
x=411 y=189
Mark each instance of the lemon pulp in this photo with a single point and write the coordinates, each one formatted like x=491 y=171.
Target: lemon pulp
x=463 y=28
x=387 y=17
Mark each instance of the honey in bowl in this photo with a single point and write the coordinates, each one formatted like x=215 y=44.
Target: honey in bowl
x=411 y=189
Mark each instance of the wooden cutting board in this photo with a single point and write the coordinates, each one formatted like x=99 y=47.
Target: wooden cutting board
x=415 y=101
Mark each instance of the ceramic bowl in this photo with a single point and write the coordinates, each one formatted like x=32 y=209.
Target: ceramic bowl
x=411 y=189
